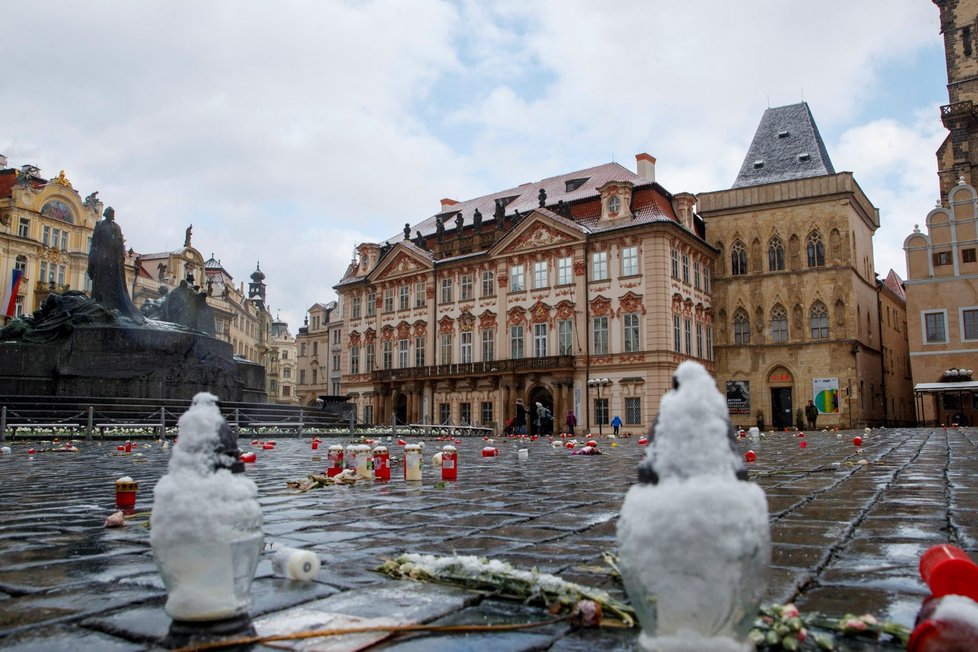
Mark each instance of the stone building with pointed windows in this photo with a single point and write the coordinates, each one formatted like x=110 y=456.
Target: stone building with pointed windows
x=45 y=232
x=795 y=292
x=581 y=292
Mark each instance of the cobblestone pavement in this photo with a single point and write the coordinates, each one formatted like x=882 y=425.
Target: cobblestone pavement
x=848 y=526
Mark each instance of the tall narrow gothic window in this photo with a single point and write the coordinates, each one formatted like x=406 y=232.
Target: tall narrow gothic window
x=775 y=254
x=741 y=324
x=816 y=250
x=820 y=321
x=738 y=258
x=779 y=324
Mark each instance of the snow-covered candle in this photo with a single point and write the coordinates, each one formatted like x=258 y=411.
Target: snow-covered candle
x=693 y=537
x=206 y=521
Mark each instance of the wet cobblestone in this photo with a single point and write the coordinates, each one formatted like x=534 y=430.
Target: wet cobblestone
x=848 y=527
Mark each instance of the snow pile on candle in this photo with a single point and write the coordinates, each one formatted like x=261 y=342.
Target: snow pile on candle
x=695 y=533
x=193 y=502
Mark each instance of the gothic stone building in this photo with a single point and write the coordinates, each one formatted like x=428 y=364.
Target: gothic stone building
x=582 y=292
x=795 y=291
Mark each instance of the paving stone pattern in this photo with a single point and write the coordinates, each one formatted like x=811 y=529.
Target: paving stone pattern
x=847 y=535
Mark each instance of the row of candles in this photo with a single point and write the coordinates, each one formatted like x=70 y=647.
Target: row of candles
x=359 y=459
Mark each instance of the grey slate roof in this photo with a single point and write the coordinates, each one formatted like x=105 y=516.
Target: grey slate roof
x=786 y=146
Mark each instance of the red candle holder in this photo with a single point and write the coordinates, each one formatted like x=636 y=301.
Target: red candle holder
x=948 y=570
x=125 y=493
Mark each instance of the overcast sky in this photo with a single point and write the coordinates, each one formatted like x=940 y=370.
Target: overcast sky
x=288 y=132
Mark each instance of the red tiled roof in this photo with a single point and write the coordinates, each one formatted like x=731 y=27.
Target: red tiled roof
x=895 y=284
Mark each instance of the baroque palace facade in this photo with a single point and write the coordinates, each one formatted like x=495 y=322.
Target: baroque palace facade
x=584 y=291
x=581 y=292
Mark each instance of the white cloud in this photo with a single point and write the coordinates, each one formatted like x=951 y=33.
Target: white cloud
x=287 y=132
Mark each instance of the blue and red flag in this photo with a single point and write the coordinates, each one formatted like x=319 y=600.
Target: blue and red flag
x=9 y=305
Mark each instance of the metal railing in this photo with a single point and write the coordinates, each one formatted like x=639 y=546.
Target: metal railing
x=152 y=417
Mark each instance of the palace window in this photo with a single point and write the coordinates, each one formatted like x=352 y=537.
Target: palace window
x=419 y=294
x=488 y=345
x=600 y=330
x=517 y=283
x=388 y=354
x=942 y=258
x=565 y=343
x=696 y=275
x=599 y=266
x=741 y=325
x=465 y=413
x=630 y=322
x=779 y=324
x=24 y=228
x=539 y=274
x=419 y=351
x=674 y=260
x=539 y=340
x=685 y=268
x=565 y=271
x=709 y=343
x=445 y=348
x=488 y=283
x=486 y=412
x=816 y=250
x=368 y=359
x=21 y=264
x=699 y=340
x=446 y=290
x=688 y=332
x=389 y=300
x=354 y=360
x=355 y=308
x=820 y=321
x=371 y=304
x=775 y=254
x=465 y=347
x=601 y=410
x=677 y=341
x=403 y=298
x=402 y=354
x=629 y=261
x=738 y=259
x=465 y=288
x=515 y=342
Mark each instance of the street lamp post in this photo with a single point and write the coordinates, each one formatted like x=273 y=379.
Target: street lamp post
x=599 y=383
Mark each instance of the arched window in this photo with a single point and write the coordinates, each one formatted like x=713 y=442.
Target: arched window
x=816 y=250
x=819 y=316
x=741 y=324
x=738 y=259
x=775 y=254
x=779 y=324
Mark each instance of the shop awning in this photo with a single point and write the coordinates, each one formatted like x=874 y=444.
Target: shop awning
x=940 y=388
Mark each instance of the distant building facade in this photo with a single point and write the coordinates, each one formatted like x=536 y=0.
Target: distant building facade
x=46 y=233
x=795 y=290
x=282 y=371
x=319 y=347
x=581 y=292
x=942 y=265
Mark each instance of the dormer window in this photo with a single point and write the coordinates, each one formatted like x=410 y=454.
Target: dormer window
x=804 y=156
x=614 y=205
x=758 y=165
x=783 y=133
x=573 y=184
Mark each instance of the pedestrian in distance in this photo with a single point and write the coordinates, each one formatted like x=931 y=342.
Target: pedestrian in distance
x=616 y=424
x=811 y=413
x=571 y=422
x=520 y=417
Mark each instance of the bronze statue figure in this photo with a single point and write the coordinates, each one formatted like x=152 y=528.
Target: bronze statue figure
x=107 y=269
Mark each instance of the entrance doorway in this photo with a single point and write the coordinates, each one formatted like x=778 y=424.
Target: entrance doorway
x=542 y=396
x=781 y=407
x=400 y=407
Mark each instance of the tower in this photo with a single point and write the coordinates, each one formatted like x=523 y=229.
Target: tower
x=256 y=289
x=958 y=155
